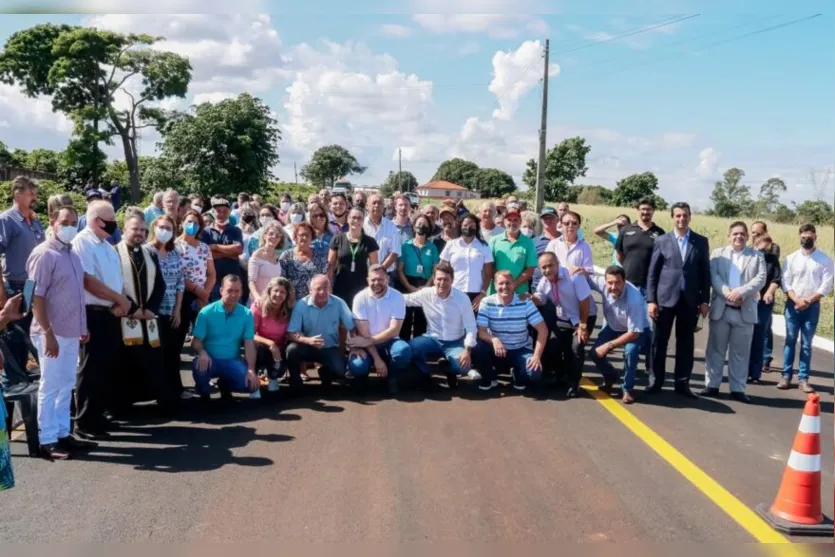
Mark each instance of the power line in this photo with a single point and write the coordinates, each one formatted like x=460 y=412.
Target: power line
x=664 y=23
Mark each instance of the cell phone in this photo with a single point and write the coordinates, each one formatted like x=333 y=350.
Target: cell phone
x=28 y=296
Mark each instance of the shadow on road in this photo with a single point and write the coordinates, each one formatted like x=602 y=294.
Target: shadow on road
x=177 y=448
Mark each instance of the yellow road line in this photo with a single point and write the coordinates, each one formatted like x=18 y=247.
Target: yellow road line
x=733 y=507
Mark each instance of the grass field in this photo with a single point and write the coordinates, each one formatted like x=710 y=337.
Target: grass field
x=716 y=230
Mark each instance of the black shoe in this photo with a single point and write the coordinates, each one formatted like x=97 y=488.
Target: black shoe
x=607 y=386
x=427 y=384
x=226 y=395
x=686 y=392
x=54 y=452
x=452 y=380
x=392 y=387
x=90 y=434
x=652 y=389
x=69 y=443
x=573 y=392
x=709 y=391
x=740 y=397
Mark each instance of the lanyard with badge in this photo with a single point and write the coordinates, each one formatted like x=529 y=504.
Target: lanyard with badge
x=353 y=250
x=419 y=267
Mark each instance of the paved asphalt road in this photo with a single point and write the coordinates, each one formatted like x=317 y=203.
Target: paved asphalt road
x=443 y=468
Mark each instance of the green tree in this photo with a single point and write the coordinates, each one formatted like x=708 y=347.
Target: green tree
x=593 y=195
x=458 y=171
x=632 y=188
x=730 y=197
x=81 y=162
x=491 y=183
x=770 y=195
x=85 y=69
x=43 y=160
x=564 y=163
x=223 y=148
x=784 y=214
x=330 y=163
x=815 y=212
x=401 y=181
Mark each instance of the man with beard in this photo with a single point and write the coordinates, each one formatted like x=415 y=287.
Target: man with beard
x=402 y=220
x=339 y=214
x=142 y=376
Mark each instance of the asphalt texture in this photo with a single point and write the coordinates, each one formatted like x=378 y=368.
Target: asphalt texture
x=451 y=466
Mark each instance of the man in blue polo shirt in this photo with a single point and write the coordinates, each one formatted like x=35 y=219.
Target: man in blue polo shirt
x=313 y=333
x=220 y=330
x=503 y=339
x=226 y=241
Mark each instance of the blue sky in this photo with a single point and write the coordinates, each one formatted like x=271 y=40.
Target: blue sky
x=684 y=95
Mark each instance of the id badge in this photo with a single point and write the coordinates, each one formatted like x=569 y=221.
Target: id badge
x=353 y=266
x=419 y=269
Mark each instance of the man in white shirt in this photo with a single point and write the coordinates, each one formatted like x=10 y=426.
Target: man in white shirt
x=564 y=301
x=378 y=315
x=451 y=326
x=106 y=305
x=807 y=277
x=489 y=228
x=384 y=232
x=626 y=327
x=737 y=273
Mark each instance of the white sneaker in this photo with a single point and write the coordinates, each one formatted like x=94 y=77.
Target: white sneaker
x=519 y=386
x=274 y=386
x=473 y=375
x=256 y=395
x=490 y=386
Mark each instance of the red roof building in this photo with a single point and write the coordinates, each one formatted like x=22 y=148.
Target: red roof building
x=441 y=189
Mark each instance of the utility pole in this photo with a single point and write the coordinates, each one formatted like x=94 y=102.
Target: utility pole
x=540 y=170
x=295 y=173
x=399 y=169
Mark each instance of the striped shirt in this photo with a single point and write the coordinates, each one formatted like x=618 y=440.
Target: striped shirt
x=509 y=323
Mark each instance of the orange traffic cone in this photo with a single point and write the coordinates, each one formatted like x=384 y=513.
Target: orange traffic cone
x=797 y=507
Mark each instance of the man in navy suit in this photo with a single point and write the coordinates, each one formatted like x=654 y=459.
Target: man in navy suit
x=678 y=290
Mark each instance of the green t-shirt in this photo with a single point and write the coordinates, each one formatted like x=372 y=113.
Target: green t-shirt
x=514 y=256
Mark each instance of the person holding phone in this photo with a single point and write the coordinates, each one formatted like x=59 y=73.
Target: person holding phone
x=8 y=314
x=60 y=321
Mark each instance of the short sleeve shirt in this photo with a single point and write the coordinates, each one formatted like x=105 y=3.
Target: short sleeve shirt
x=509 y=322
x=230 y=235
x=18 y=238
x=514 y=256
x=468 y=261
x=195 y=262
x=222 y=333
x=310 y=320
x=348 y=282
x=636 y=245
x=418 y=262
x=379 y=311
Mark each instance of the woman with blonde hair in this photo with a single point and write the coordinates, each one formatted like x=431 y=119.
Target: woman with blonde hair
x=301 y=263
x=271 y=312
x=264 y=265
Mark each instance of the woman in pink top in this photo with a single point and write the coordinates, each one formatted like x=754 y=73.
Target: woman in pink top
x=272 y=315
x=263 y=265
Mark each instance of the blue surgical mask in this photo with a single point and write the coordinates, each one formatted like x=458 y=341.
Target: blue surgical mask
x=191 y=228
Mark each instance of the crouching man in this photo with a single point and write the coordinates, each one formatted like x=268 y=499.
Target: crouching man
x=220 y=330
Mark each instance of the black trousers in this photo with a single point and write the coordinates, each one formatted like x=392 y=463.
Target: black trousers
x=187 y=317
x=100 y=362
x=17 y=332
x=171 y=352
x=332 y=360
x=142 y=377
x=685 y=318
x=571 y=354
x=264 y=360
x=414 y=324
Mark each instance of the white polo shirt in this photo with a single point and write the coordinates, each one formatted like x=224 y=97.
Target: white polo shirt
x=808 y=275
x=387 y=237
x=468 y=261
x=379 y=311
x=447 y=319
x=100 y=260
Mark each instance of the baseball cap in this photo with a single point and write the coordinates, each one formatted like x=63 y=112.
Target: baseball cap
x=512 y=211
x=93 y=194
x=548 y=212
x=447 y=210
x=220 y=202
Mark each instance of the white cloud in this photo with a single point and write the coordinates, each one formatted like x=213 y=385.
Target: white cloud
x=514 y=74
x=677 y=140
x=21 y=111
x=215 y=97
x=497 y=26
x=708 y=162
x=396 y=30
x=5 y=124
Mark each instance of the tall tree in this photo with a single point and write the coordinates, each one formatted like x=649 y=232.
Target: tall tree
x=730 y=197
x=632 y=188
x=491 y=182
x=815 y=212
x=458 y=171
x=81 y=162
x=770 y=195
x=564 y=163
x=330 y=163
x=42 y=160
x=97 y=76
x=400 y=181
x=225 y=147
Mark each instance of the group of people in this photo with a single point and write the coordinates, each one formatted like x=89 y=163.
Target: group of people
x=366 y=284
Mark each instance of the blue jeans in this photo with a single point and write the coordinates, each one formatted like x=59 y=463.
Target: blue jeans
x=395 y=353
x=805 y=323
x=425 y=348
x=231 y=376
x=489 y=365
x=759 y=352
x=631 y=355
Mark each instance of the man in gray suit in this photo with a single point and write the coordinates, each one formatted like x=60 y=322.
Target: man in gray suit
x=737 y=273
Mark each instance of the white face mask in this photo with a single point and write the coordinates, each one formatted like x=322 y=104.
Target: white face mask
x=285 y=206
x=67 y=233
x=296 y=218
x=529 y=232
x=197 y=208
x=163 y=235
x=266 y=220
